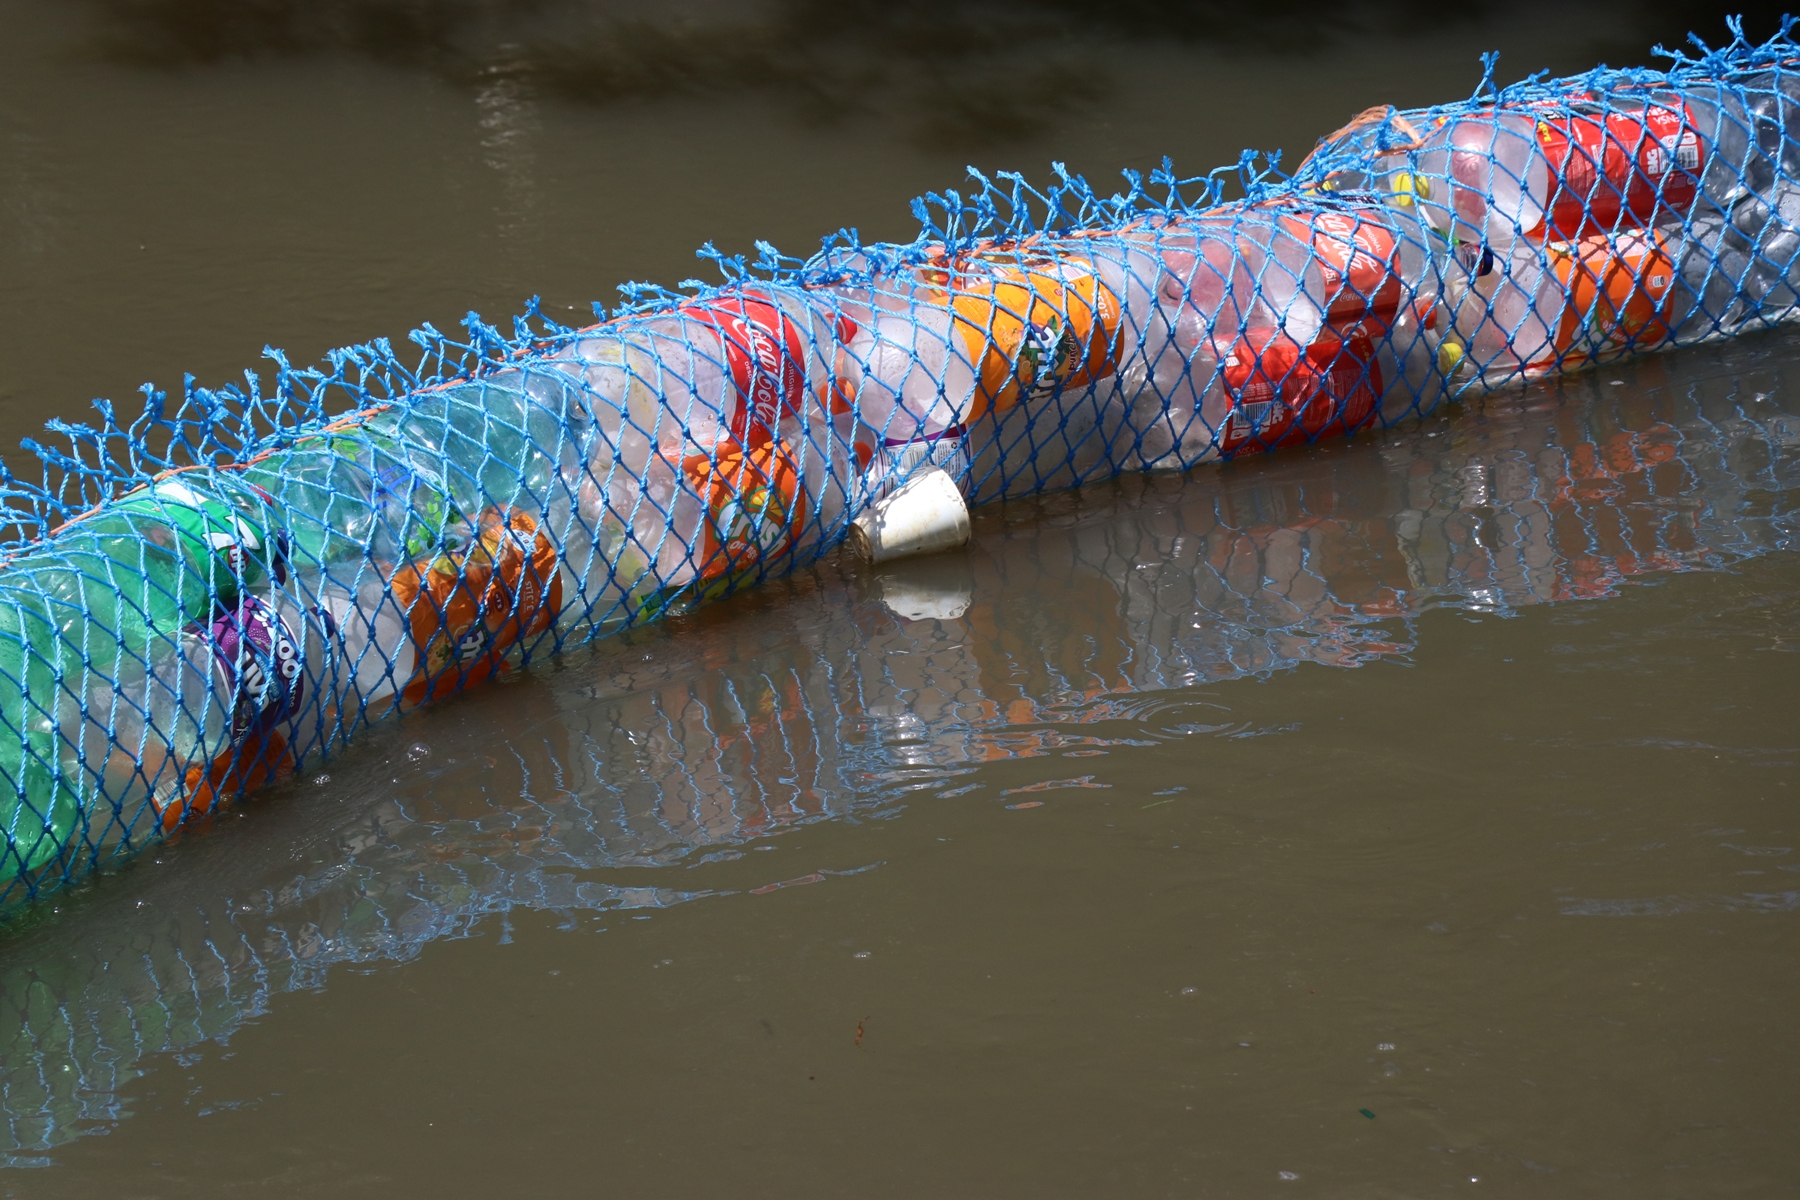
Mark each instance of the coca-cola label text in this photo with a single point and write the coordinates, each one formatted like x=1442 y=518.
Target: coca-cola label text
x=766 y=357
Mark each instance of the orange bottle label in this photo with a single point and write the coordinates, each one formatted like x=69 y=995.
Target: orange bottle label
x=1617 y=289
x=466 y=608
x=755 y=505
x=244 y=768
x=1032 y=325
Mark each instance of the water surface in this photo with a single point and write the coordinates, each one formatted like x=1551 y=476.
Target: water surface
x=1400 y=815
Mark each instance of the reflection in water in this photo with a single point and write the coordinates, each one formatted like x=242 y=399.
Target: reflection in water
x=973 y=72
x=1071 y=622
x=508 y=122
x=26 y=203
x=960 y=72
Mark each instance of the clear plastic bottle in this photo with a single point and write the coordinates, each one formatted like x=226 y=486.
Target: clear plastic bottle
x=621 y=487
x=124 y=581
x=1738 y=249
x=1150 y=283
x=1209 y=294
x=1497 y=313
x=712 y=454
x=1772 y=281
x=1254 y=268
x=1152 y=380
x=357 y=653
x=1485 y=178
x=196 y=717
x=914 y=377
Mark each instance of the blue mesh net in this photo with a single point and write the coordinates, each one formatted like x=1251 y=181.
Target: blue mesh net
x=210 y=598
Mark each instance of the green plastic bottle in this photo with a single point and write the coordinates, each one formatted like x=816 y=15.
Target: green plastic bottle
x=113 y=591
x=223 y=527
x=356 y=494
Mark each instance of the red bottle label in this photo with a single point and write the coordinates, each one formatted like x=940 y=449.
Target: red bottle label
x=1613 y=168
x=1282 y=394
x=766 y=357
x=1359 y=257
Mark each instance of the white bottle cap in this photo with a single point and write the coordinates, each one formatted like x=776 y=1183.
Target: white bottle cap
x=926 y=515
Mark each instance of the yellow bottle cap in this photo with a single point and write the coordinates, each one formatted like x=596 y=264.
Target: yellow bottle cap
x=1405 y=185
x=1450 y=357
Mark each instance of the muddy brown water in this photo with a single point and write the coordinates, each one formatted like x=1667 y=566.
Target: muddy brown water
x=1401 y=816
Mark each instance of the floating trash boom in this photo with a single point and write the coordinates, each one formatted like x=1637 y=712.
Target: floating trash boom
x=204 y=601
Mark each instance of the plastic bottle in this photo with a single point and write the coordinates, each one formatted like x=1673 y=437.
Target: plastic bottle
x=945 y=352
x=354 y=493
x=820 y=430
x=1206 y=290
x=1280 y=393
x=1141 y=423
x=1045 y=329
x=1739 y=266
x=1619 y=294
x=1744 y=131
x=1375 y=277
x=739 y=367
x=224 y=527
x=230 y=703
x=744 y=459
x=1257 y=285
x=912 y=369
x=224 y=706
x=1357 y=289
x=952 y=359
x=466 y=611
x=195 y=717
x=613 y=533
x=1149 y=276
x=38 y=642
x=1737 y=253
x=1565 y=303
x=1255 y=267
x=161 y=556
x=127 y=579
x=356 y=648
x=1556 y=170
